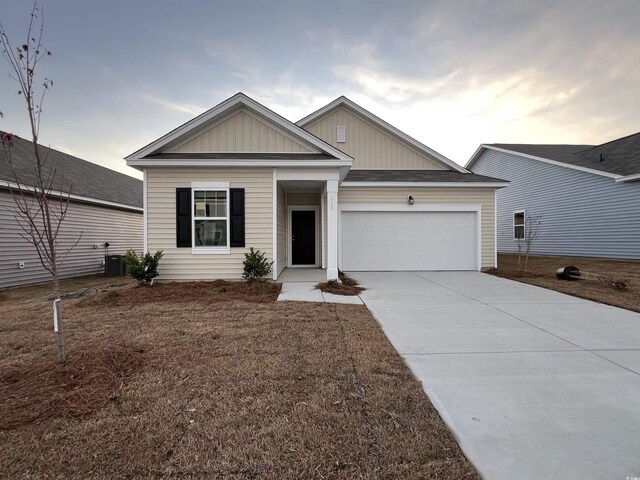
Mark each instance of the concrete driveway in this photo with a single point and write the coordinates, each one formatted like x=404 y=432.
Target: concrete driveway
x=534 y=384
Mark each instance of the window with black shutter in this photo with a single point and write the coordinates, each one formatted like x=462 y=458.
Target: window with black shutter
x=183 y=217
x=236 y=217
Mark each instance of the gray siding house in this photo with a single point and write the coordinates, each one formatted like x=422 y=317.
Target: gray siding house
x=587 y=197
x=105 y=207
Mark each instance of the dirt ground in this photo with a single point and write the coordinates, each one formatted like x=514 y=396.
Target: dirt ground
x=542 y=272
x=215 y=387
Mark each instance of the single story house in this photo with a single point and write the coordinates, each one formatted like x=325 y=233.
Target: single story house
x=587 y=197
x=104 y=207
x=339 y=189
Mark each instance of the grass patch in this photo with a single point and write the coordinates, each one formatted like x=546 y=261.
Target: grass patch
x=225 y=389
x=618 y=285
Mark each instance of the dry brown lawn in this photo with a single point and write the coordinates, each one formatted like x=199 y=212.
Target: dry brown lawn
x=542 y=272
x=215 y=387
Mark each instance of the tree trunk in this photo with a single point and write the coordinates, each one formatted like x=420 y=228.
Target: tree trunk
x=58 y=314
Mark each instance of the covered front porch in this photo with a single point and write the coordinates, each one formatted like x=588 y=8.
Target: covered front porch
x=306 y=224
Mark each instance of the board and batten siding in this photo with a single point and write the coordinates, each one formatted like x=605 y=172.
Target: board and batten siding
x=282 y=229
x=122 y=229
x=433 y=196
x=582 y=214
x=181 y=263
x=370 y=146
x=241 y=131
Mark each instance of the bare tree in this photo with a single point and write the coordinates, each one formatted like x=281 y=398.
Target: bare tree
x=40 y=207
x=525 y=242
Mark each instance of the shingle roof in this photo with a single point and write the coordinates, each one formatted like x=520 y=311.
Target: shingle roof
x=415 y=176
x=82 y=177
x=621 y=156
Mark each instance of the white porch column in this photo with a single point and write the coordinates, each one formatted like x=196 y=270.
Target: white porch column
x=332 y=230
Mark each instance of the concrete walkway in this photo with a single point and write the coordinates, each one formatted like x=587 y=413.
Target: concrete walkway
x=534 y=384
x=307 y=292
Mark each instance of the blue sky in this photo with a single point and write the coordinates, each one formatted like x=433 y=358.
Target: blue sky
x=452 y=74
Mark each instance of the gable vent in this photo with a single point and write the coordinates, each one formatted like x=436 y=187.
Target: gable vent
x=342 y=134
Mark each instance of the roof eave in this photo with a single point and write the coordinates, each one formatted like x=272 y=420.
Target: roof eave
x=544 y=160
x=234 y=101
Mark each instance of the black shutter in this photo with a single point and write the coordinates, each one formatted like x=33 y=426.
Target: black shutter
x=236 y=216
x=183 y=217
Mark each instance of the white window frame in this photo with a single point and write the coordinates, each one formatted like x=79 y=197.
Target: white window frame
x=209 y=186
x=524 y=224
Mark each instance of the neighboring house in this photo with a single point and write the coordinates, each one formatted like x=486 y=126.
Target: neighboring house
x=587 y=197
x=341 y=188
x=105 y=207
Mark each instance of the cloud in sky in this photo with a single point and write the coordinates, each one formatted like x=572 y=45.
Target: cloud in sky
x=451 y=74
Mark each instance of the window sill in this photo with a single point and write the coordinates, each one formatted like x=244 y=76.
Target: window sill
x=210 y=250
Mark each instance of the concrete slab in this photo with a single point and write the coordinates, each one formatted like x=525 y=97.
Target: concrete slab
x=307 y=292
x=346 y=299
x=587 y=324
x=300 y=292
x=533 y=383
x=428 y=329
x=626 y=358
x=302 y=275
x=552 y=415
x=489 y=289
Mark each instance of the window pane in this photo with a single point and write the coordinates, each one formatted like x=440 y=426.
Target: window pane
x=211 y=233
x=518 y=218
x=518 y=231
x=210 y=203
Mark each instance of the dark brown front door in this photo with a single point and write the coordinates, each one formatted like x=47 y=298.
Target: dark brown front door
x=303 y=239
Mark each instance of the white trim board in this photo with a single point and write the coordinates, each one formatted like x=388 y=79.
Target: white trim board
x=318 y=239
x=427 y=184
x=478 y=152
x=225 y=107
x=203 y=162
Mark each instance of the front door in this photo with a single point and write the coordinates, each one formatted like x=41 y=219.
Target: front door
x=303 y=237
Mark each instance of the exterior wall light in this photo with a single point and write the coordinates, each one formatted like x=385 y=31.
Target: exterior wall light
x=411 y=201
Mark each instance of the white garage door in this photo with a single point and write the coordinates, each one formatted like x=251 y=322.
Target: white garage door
x=383 y=241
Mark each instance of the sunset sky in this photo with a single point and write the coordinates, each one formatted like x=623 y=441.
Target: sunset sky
x=452 y=74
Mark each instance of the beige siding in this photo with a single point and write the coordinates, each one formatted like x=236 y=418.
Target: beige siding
x=241 y=132
x=181 y=263
x=282 y=229
x=303 y=198
x=370 y=146
x=122 y=229
x=449 y=196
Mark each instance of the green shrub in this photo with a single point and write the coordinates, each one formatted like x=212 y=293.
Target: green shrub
x=256 y=265
x=143 y=268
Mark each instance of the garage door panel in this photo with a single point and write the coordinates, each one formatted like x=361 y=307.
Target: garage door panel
x=408 y=241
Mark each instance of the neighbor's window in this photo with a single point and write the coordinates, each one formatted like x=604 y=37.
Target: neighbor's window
x=518 y=225
x=210 y=216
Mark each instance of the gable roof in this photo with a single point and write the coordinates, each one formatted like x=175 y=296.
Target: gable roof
x=86 y=181
x=343 y=101
x=618 y=159
x=154 y=151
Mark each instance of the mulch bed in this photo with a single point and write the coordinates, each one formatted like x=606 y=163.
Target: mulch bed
x=348 y=286
x=40 y=390
x=188 y=292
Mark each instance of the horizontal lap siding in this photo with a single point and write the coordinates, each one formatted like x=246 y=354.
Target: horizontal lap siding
x=433 y=196
x=582 y=214
x=121 y=229
x=303 y=198
x=180 y=263
x=369 y=145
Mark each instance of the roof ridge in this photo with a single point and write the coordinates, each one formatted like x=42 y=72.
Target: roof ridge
x=610 y=141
